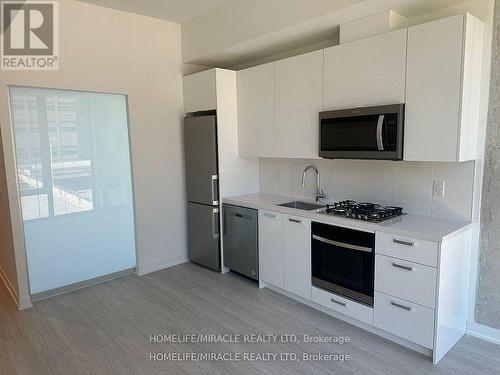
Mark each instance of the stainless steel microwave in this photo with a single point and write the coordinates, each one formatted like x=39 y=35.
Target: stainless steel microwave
x=362 y=133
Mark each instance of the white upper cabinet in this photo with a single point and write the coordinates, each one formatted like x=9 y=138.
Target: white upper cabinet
x=256 y=129
x=442 y=98
x=200 y=91
x=298 y=98
x=366 y=72
x=434 y=68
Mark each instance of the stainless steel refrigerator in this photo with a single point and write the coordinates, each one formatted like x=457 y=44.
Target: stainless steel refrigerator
x=202 y=185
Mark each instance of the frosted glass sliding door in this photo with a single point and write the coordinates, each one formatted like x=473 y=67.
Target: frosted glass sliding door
x=73 y=166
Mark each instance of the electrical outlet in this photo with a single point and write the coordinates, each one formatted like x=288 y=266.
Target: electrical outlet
x=438 y=189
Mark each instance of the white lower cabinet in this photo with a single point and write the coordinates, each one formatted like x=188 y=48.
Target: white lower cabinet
x=285 y=252
x=405 y=319
x=297 y=256
x=412 y=281
x=342 y=305
x=420 y=286
x=271 y=248
x=412 y=249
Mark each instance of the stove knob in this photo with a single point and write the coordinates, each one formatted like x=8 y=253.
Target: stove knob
x=365 y=217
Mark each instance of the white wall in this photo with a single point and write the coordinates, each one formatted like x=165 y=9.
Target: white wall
x=111 y=51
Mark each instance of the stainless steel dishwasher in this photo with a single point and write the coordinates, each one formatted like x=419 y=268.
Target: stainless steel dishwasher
x=240 y=236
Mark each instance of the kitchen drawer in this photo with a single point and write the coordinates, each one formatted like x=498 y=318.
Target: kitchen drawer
x=419 y=251
x=343 y=305
x=405 y=319
x=411 y=281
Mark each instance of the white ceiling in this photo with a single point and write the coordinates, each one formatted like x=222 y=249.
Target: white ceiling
x=170 y=10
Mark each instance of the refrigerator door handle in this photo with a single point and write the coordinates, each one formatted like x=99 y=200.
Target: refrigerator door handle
x=215 y=179
x=215 y=223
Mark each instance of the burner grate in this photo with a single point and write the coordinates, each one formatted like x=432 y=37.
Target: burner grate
x=365 y=211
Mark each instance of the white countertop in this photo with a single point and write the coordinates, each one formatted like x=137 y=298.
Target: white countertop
x=416 y=226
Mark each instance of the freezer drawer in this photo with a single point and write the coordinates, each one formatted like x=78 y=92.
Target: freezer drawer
x=200 y=135
x=203 y=235
x=241 y=240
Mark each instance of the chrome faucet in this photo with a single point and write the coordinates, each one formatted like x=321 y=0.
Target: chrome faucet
x=320 y=194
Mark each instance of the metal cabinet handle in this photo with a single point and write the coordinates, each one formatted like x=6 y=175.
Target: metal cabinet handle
x=268 y=214
x=406 y=268
x=401 y=242
x=395 y=304
x=338 y=302
x=295 y=220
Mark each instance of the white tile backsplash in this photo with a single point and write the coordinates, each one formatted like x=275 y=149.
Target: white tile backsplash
x=414 y=187
x=408 y=184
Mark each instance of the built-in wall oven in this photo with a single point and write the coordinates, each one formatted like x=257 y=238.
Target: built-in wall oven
x=362 y=133
x=343 y=261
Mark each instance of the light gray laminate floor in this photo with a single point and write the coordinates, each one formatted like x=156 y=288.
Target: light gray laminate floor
x=105 y=329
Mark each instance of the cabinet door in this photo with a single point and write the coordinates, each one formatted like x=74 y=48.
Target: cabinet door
x=199 y=91
x=433 y=90
x=271 y=248
x=366 y=72
x=256 y=130
x=299 y=86
x=297 y=256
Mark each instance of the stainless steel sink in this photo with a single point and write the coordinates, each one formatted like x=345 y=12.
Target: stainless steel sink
x=302 y=205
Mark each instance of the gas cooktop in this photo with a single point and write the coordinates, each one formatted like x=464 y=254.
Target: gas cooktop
x=363 y=211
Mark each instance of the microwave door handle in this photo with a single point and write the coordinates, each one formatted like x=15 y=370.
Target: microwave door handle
x=380 y=124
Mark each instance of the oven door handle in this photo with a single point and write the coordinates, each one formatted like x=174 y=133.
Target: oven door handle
x=380 y=125
x=342 y=244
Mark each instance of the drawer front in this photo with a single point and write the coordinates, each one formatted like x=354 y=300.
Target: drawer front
x=420 y=251
x=411 y=281
x=405 y=319
x=343 y=305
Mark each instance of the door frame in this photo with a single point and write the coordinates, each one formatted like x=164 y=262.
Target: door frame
x=10 y=161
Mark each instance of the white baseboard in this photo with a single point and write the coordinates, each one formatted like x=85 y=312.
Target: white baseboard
x=483 y=332
x=21 y=303
x=25 y=303
x=156 y=266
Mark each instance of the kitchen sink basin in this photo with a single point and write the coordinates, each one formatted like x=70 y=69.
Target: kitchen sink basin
x=302 y=205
